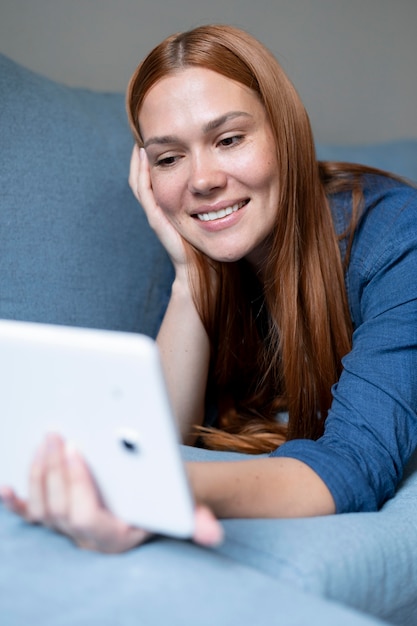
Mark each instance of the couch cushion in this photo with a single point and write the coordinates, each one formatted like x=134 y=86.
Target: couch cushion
x=398 y=157
x=75 y=247
x=364 y=560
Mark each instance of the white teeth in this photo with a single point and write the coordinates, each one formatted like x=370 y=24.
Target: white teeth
x=216 y=215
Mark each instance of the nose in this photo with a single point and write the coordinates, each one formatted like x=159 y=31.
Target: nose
x=206 y=175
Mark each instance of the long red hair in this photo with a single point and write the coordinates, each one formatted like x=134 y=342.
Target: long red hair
x=277 y=342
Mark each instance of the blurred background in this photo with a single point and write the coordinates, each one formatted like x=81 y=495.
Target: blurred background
x=354 y=62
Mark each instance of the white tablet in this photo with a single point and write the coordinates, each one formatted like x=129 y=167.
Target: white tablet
x=105 y=392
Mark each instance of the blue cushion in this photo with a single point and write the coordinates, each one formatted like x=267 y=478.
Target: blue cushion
x=75 y=247
x=365 y=560
x=45 y=580
x=398 y=157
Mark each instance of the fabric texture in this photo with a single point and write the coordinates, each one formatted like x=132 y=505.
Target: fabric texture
x=398 y=157
x=75 y=247
x=363 y=560
x=371 y=430
x=45 y=580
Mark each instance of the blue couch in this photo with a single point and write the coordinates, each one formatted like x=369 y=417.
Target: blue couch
x=76 y=249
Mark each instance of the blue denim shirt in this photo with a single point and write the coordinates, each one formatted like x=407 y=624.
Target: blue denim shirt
x=371 y=429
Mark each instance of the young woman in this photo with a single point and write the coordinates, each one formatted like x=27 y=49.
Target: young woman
x=294 y=305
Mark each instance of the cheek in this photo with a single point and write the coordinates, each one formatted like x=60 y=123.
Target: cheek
x=166 y=192
x=262 y=179
x=266 y=173
x=257 y=168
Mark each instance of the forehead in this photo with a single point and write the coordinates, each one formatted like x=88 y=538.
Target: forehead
x=194 y=96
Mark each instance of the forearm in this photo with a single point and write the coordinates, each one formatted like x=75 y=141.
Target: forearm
x=262 y=488
x=185 y=353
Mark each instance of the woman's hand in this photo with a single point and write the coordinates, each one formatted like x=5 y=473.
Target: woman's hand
x=63 y=496
x=140 y=183
x=182 y=339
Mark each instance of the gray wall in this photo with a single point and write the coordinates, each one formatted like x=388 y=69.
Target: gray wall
x=354 y=62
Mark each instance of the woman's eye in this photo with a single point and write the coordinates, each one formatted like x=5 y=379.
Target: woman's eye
x=231 y=141
x=166 y=161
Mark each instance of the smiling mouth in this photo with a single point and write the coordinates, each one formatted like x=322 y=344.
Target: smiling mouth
x=217 y=215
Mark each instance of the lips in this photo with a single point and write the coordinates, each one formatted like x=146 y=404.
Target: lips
x=210 y=216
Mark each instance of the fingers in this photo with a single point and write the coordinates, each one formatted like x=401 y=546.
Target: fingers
x=92 y=526
x=208 y=531
x=35 y=509
x=139 y=176
x=145 y=193
x=134 y=169
x=84 y=502
x=140 y=183
x=48 y=501
x=56 y=482
x=12 y=502
x=63 y=496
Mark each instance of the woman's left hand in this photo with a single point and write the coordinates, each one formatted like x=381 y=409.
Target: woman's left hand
x=63 y=496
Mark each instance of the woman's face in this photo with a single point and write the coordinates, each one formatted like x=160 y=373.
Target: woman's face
x=212 y=161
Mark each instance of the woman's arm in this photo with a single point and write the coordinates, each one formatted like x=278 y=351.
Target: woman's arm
x=182 y=339
x=185 y=351
x=262 y=488
x=63 y=496
x=371 y=429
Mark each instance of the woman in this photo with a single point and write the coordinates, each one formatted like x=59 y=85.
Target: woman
x=293 y=306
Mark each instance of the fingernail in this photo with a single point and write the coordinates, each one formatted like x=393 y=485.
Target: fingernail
x=51 y=442
x=216 y=536
x=71 y=453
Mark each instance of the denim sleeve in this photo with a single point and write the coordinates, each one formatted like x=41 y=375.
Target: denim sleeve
x=371 y=429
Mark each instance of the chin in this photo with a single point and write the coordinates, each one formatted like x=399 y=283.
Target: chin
x=226 y=258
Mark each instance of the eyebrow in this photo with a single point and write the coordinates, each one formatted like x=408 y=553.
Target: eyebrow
x=212 y=125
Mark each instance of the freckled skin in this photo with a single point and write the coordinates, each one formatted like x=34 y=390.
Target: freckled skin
x=209 y=145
